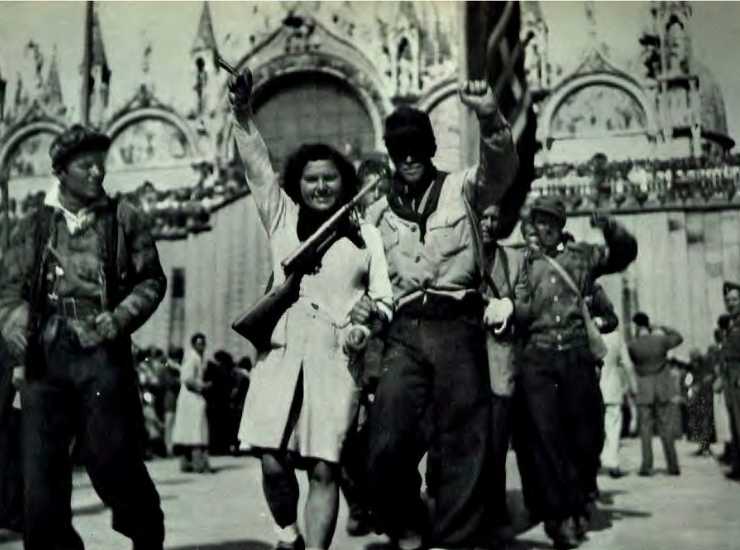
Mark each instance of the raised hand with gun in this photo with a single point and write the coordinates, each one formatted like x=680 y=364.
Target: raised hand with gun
x=302 y=395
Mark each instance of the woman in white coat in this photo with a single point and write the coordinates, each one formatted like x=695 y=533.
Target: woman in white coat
x=302 y=397
x=190 y=433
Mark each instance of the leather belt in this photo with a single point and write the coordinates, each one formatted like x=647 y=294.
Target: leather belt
x=74 y=308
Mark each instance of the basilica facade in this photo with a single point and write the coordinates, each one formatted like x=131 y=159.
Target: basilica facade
x=647 y=141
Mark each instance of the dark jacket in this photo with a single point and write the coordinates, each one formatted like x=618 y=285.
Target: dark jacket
x=548 y=306
x=133 y=276
x=649 y=352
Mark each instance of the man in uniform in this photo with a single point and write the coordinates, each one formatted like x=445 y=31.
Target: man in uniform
x=81 y=274
x=434 y=392
x=655 y=390
x=559 y=389
x=731 y=372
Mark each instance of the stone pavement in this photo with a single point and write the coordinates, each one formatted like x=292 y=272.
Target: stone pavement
x=226 y=510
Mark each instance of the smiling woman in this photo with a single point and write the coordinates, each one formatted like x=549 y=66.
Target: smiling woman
x=302 y=396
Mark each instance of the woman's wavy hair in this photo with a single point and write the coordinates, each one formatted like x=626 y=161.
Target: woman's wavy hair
x=310 y=152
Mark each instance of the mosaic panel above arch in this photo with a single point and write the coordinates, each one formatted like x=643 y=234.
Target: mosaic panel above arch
x=146 y=143
x=30 y=156
x=293 y=109
x=598 y=109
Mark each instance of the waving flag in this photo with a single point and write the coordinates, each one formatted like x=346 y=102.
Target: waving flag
x=495 y=51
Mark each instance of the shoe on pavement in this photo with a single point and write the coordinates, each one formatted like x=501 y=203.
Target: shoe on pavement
x=562 y=534
x=616 y=473
x=297 y=544
x=674 y=471
x=580 y=527
x=645 y=472
x=359 y=524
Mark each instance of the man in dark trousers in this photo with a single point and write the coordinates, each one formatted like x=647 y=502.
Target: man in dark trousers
x=655 y=390
x=561 y=404
x=434 y=392
x=81 y=274
x=731 y=372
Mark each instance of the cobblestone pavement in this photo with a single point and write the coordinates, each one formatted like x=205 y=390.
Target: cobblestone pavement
x=226 y=510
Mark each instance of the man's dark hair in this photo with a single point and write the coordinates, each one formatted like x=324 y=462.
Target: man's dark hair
x=310 y=152
x=197 y=336
x=641 y=319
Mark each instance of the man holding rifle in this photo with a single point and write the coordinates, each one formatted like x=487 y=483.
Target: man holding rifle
x=434 y=392
x=81 y=274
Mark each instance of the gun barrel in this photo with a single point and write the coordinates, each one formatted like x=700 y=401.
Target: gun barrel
x=327 y=228
x=221 y=62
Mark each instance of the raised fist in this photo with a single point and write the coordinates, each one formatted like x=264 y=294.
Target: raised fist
x=240 y=93
x=600 y=219
x=478 y=96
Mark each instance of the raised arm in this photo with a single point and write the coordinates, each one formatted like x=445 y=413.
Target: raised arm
x=498 y=162
x=261 y=178
x=619 y=251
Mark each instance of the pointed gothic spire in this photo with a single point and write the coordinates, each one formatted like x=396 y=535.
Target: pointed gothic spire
x=53 y=85
x=95 y=70
x=21 y=97
x=205 y=38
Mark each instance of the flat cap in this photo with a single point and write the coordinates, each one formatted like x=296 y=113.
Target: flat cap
x=76 y=139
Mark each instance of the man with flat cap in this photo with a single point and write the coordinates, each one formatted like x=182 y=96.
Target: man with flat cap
x=558 y=385
x=434 y=391
x=731 y=372
x=81 y=274
x=655 y=389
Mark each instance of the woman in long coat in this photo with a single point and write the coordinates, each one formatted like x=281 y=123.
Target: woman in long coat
x=302 y=397
x=190 y=433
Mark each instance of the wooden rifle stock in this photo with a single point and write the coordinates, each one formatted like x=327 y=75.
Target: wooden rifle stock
x=258 y=322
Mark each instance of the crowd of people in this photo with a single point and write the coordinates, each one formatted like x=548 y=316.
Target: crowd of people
x=407 y=331
x=210 y=406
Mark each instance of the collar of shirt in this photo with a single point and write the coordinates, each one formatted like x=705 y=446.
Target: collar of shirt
x=75 y=221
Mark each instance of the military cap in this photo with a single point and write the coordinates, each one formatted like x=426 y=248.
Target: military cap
x=729 y=286
x=74 y=140
x=549 y=205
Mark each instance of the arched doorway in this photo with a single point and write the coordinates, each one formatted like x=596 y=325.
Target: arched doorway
x=310 y=107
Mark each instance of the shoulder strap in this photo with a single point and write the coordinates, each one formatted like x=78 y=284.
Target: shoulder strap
x=564 y=274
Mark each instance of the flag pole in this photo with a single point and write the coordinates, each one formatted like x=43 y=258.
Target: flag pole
x=86 y=62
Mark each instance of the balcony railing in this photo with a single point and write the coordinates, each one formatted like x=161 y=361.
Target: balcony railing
x=643 y=185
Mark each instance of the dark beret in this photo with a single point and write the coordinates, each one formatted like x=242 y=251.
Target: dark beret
x=549 y=205
x=409 y=131
x=74 y=140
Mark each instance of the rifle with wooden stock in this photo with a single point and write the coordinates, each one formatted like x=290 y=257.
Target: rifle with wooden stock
x=258 y=323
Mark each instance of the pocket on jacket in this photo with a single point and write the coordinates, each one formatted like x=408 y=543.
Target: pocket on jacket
x=448 y=234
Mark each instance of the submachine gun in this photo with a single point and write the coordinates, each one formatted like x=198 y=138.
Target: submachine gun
x=258 y=323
